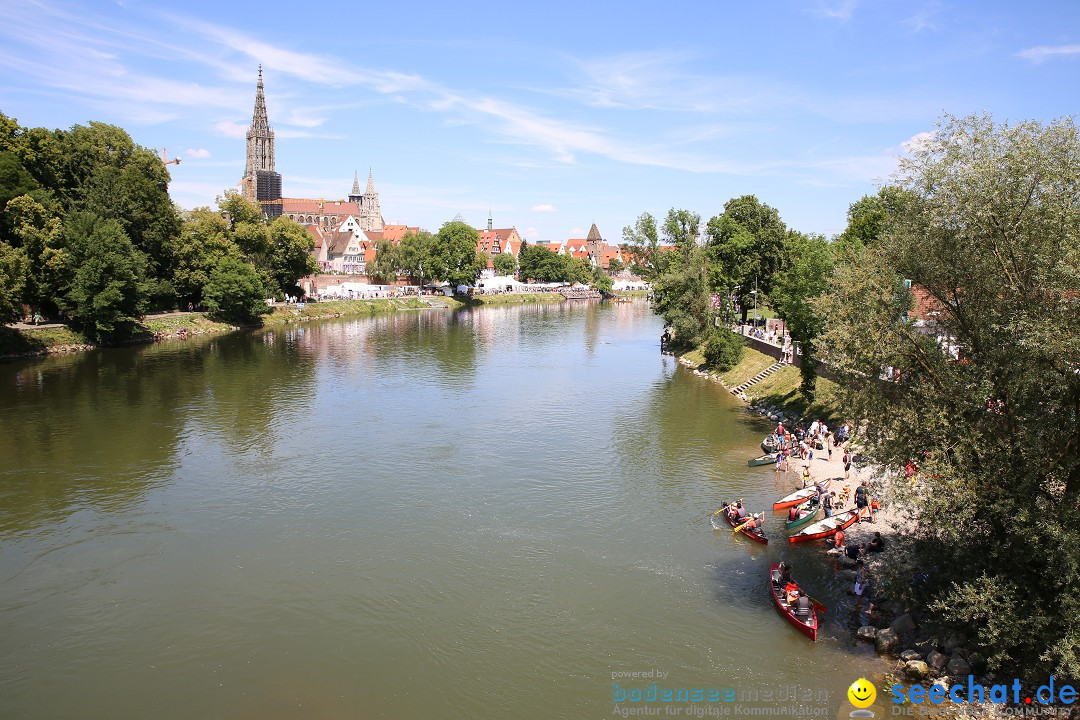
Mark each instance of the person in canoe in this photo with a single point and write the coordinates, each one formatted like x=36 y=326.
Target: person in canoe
x=751 y=525
x=793 y=513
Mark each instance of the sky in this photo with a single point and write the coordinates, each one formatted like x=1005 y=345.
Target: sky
x=551 y=116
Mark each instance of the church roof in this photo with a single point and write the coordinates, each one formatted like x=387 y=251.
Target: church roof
x=319 y=207
x=594 y=234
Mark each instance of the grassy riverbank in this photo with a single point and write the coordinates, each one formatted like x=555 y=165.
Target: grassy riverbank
x=25 y=342
x=779 y=390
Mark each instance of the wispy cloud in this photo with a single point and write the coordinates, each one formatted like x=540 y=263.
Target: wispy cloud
x=1041 y=53
x=543 y=208
x=924 y=18
x=231 y=129
x=199 y=153
x=837 y=10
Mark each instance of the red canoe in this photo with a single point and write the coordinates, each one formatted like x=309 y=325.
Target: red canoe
x=807 y=626
x=825 y=528
x=798 y=497
x=757 y=535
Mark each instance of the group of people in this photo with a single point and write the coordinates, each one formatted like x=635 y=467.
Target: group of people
x=789 y=593
x=738 y=515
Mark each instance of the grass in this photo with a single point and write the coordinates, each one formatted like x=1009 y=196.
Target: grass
x=503 y=299
x=780 y=390
x=752 y=363
x=14 y=343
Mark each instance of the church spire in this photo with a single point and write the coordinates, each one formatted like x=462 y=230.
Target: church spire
x=260 y=181
x=370 y=184
x=355 y=184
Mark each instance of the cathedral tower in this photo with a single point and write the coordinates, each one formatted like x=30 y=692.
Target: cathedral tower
x=261 y=182
x=370 y=215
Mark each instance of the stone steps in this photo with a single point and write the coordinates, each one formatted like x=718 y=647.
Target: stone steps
x=738 y=390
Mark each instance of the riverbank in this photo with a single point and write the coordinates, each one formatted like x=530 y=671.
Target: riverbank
x=776 y=394
x=29 y=341
x=924 y=651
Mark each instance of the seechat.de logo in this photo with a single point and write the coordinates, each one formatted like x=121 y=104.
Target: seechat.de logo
x=862 y=694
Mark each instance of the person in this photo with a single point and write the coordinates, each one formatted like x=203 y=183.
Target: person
x=860 y=583
x=827 y=503
x=792 y=592
x=875 y=505
x=806 y=476
x=877 y=544
x=836 y=541
x=852 y=551
x=779 y=460
x=845 y=494
x=738 y=513
x=785 y=573
x=802 y=610
x=861 y=500
x=793 y=513
x=751 y=524
x=847 y=464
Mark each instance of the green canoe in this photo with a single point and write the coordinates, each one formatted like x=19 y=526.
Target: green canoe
x=807 y=512
x=766 y=459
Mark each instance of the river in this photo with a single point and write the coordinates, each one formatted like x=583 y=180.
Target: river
x=486 y=513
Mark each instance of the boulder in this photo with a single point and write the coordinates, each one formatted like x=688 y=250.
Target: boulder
x=886 y=641
x=916 y=669
x=909 y=655
x=903 y=624
x=845 y=561
x=958 y=666
x=867 y=633
x=951 y=643
x=961 y=653
x=774 y=417
x=937 y=660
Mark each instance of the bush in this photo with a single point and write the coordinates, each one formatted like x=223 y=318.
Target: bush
x=723 y=350
x=234 y=292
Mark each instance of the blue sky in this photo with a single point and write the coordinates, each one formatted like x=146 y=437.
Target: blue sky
x=553 y=115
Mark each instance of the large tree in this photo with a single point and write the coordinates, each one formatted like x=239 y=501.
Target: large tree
x=454 y=256
x=988 y=394
x=805 y=275
x=747 y=242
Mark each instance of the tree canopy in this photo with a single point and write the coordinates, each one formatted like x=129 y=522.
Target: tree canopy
x=987 y=399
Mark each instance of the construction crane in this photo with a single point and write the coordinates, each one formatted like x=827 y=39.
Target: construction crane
x=165 y=158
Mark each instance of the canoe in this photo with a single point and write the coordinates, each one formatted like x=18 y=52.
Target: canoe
x=807 y=513
x=757 y=536
x=769 y=444
x=766 y=459
x=825 y=528
x=798 y=497
x=807 y=627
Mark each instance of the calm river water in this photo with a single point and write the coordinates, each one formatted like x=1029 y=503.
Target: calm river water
x=478 y=514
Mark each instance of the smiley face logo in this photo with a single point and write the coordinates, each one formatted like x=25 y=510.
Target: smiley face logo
x=862 y=693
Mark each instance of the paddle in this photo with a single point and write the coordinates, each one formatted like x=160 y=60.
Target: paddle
x=817 y=606
x=737 y=528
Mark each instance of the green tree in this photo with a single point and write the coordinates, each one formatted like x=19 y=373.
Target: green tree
x=642 y=242
x=804 y=277
x=414 y=255
x=615 y=266
x=746 y=243
x=540 y=264
x=867 y=219
x=454 y=256
x=723 y=350
x=681 y=296
x=235 y=292
x=505 y=264
x=988 y=395
x=601 y=280
x=204 y=239
x=40 y=236
x=387 y=264
x=105 y=296
x=290 y=255
x=681 y=228
x=12 y=280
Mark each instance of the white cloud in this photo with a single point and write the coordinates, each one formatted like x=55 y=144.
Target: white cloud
x=577 y=232
x=230 y=129
x=1044 y=52
x=200 y=153
x=919 y=141
x=543 y=208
